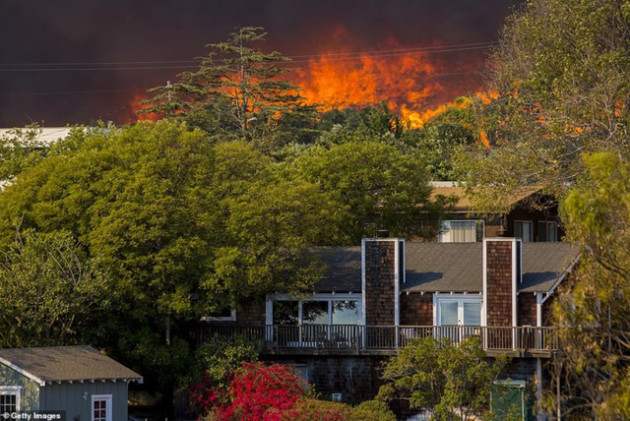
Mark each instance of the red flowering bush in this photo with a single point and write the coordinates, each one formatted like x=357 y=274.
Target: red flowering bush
x=261 y=393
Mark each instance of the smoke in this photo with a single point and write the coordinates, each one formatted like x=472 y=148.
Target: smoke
x=93 y=31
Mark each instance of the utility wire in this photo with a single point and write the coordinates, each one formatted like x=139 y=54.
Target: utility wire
x=137 y=90
x=343 y=56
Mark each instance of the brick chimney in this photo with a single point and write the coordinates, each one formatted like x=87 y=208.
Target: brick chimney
x=383 y=268
x=501 y=274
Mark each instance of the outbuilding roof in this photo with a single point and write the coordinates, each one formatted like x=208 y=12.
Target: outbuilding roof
x=65 y=363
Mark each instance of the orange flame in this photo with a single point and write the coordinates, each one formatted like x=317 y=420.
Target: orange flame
x=136 y=106
x=403 y=82
x=406 y=83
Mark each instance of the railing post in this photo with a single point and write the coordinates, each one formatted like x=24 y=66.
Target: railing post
x=396 y=331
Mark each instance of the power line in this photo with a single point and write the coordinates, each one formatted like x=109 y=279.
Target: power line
x=138 y=90
x=341 y=56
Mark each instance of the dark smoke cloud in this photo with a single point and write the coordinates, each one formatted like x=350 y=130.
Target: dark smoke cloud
x=89 y=31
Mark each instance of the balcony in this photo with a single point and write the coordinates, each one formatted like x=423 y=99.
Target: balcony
x=521 y=341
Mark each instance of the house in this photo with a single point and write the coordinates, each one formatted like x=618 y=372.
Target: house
x=377 y=297
x=532 y=216
x=77 y=381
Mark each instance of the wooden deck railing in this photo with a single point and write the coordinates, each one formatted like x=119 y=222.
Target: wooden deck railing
x=362 y=338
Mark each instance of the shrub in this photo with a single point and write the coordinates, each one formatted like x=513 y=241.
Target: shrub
x=372 y=411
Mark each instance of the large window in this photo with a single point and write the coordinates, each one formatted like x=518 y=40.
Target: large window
x=323 y=310
x=457 y=316
x=524 y=230
x=547 y=231
x=325 y=318
x=9 y=399
x=458 y=311
x=461 y=231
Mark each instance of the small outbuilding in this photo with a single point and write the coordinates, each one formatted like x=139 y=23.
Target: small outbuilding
x=77 y=381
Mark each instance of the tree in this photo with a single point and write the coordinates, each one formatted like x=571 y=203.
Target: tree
x=19 y=149
x=50 y=292
x=593 y=369
x=451 y=381
x=236 y=92
x=382 y=187
x=177 y=226
x=562 y=70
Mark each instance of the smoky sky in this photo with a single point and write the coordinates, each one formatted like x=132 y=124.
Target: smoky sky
x=34 y=34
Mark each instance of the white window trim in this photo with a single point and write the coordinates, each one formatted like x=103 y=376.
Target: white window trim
x=445 y=228
x=315 y=297
x=546 y=223
x=230 y=318
x=459 y=298
x=109 y=406
x=531 y=229
x=13 y=390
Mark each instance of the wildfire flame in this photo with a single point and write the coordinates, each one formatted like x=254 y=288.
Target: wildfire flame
x=135 y=104
x=406 y=83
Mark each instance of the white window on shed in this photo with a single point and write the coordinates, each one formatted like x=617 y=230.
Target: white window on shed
x=9 y=399
x=461 y=231
x=101 y=407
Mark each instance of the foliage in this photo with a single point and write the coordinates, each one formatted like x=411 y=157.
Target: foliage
x=177 y=226
x=50 y=292
x=441 y=377
x=218 y=358
x=373 y=410
x=562 y=70
x=237 y=91
x=19 y=149
x=260 y=392
x=383 y=187
x=593 y=368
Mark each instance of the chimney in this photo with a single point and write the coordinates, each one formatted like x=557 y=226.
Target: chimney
x=383 y=268
x=501 y=276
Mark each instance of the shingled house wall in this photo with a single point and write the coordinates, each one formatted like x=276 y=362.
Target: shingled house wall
x=526 y=309
x=499 y=283
x=380 y=290
x=416 y=309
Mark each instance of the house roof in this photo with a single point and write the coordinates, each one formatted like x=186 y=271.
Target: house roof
x=448 y=267
x=464 y=202
x=45 y=135
x=458 y=266
x=65 y=363
x=343 y=269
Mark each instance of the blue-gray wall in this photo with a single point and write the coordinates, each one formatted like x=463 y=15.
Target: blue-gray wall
x=29 y=396
x=69 y=397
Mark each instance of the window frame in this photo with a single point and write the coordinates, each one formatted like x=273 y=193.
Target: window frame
x=546 y=225
x=230 y=318
x=315 y=297
x=438 y=298
x=13 y=390
x=109 y=406
x=530 y=223
x=445 y=230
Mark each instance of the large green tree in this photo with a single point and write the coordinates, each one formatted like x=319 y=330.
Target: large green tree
x=177 y=226
x=383 y=187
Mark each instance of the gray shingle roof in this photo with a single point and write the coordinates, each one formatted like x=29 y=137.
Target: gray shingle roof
x=343 y=269
x=65 y=363
x=448 y=267
x=458 y=267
